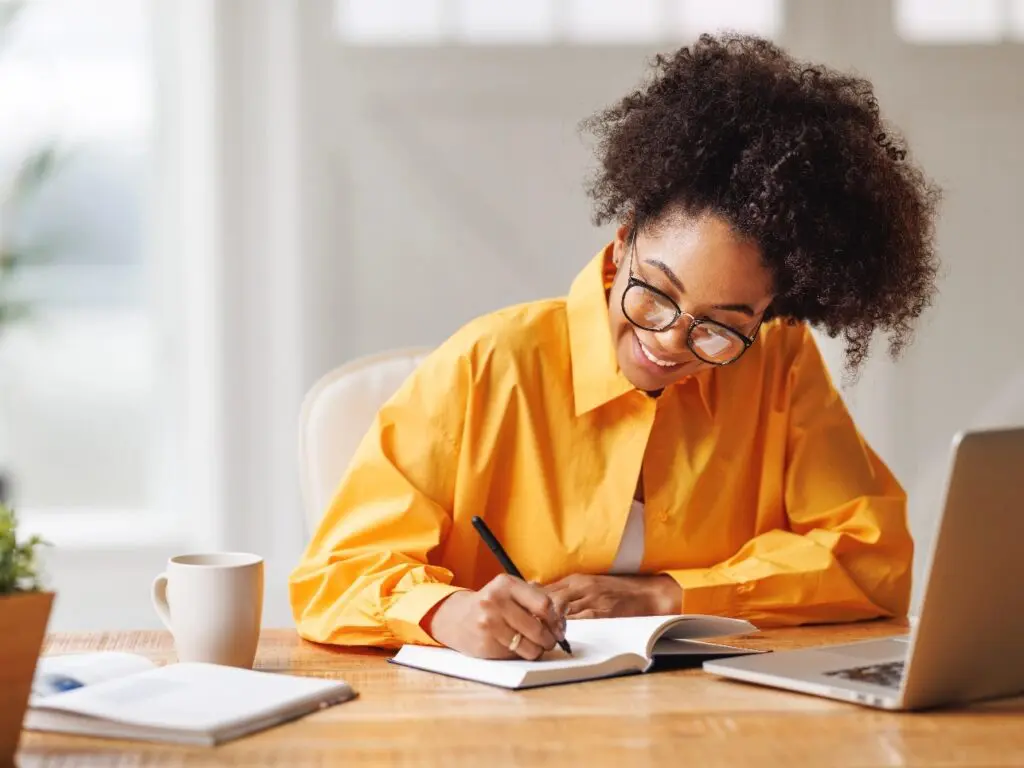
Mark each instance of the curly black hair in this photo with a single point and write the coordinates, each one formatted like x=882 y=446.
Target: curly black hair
x=795 y=157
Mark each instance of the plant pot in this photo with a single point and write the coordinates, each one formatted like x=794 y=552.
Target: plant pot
x=23 y=620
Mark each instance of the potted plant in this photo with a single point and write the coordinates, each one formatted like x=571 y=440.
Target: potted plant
x=24 y=614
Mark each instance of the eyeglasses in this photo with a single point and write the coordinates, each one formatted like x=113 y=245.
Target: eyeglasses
x=652 y=310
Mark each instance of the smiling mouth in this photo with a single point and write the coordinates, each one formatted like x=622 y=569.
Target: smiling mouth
x=668 y=365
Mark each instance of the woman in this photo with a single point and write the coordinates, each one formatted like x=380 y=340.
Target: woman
x=666 y=438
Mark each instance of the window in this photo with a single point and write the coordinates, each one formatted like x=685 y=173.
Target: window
x=543 y=22
x=959 y=22
x=78 y=424
x=1017 y=20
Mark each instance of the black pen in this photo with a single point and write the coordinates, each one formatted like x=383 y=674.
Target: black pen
x=506 y=562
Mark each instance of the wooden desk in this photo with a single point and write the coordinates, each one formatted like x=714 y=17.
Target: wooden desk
x=407 y=717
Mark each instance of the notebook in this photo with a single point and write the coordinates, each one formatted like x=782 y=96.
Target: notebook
x=600 y=648
x=126 y=696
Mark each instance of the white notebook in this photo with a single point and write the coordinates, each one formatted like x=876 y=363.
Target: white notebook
x=600 y=648
x=126 y=696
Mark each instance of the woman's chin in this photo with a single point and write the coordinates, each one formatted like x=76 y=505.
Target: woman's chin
x=649 y=383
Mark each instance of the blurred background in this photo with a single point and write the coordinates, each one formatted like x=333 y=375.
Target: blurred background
x=207 y=204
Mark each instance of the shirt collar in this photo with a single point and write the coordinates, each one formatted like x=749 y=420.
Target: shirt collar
x=596 y=378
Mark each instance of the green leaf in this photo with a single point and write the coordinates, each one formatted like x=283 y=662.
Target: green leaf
x=13 y=312
x=33 y=172
x=20 y=569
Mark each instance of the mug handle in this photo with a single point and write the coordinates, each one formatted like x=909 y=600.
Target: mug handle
x=163 y=610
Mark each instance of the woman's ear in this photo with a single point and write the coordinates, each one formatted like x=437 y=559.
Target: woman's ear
x=622 y=235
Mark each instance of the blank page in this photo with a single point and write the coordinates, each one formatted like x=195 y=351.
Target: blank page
x=508 y=673
x=635 y=634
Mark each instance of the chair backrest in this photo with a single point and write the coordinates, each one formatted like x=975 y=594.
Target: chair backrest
x=336 y=414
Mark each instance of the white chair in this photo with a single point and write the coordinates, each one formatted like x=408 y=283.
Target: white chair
x=336 y=413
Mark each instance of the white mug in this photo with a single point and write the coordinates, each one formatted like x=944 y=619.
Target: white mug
x=213 y=605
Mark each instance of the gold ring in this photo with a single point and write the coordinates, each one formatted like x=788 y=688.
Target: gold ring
x=517 y=638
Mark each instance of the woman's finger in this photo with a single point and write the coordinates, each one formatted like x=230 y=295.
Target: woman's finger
x=558 y=586
x=579 y=606
x=517 y=643
x=538 y=603
x=562 y=594
x=531 y=628
x=560 y=601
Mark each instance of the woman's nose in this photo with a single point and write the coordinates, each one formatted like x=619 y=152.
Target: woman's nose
x=675 y=336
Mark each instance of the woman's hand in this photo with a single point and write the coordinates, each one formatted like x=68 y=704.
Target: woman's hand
x=486 y=623
x=582 y=596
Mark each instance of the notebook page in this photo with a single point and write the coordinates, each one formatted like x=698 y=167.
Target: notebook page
x=625 y=635
x=511 y=673
x=57 y=675
x=636 y=634
x=200 y=697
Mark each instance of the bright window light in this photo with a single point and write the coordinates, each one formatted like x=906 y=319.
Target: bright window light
x=545 y=22
x=950 y=21
x=614 y=21
x=523 y=21
x=80 y=413
x=1017 y=19
x=757 y=17
x=390 y=22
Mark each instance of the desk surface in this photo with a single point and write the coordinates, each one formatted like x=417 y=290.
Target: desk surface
x=407 y=717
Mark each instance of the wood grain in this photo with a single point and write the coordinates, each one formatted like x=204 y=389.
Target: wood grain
x=683 y=717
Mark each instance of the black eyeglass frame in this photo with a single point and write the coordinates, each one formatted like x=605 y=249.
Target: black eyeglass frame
x=635 y=282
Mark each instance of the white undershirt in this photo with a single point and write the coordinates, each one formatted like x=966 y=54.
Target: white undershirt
x=631 y=548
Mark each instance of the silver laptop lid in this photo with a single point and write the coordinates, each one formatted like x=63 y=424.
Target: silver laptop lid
x=968 y=643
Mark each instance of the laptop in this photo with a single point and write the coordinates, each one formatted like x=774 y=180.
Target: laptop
x=967 y=644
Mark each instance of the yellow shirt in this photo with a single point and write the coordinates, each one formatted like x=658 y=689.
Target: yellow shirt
x=762 y=500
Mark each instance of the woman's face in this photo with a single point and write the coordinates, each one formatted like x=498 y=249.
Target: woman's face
x=707 y=270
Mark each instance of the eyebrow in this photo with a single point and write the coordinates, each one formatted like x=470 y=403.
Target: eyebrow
x=662 y=267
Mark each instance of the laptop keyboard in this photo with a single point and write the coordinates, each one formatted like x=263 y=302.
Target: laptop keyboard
x=888 y=674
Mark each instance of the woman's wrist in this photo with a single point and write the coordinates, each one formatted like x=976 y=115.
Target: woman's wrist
x=666 y=595
x=443 y=607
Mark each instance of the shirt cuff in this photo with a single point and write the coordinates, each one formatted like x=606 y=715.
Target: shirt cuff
x=706 y=592
x=404 y=616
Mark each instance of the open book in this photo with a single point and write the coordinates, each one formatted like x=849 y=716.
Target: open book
x=126 y=696
x=600 y=648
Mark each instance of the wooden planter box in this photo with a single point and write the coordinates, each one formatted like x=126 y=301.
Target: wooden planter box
x=23 y=620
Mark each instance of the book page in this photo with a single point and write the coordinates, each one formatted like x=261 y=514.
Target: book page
x=697 y=627
x=60 y=674
x=639 y=634
x=670 y=646
x=626 y=635
x=555 y=664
